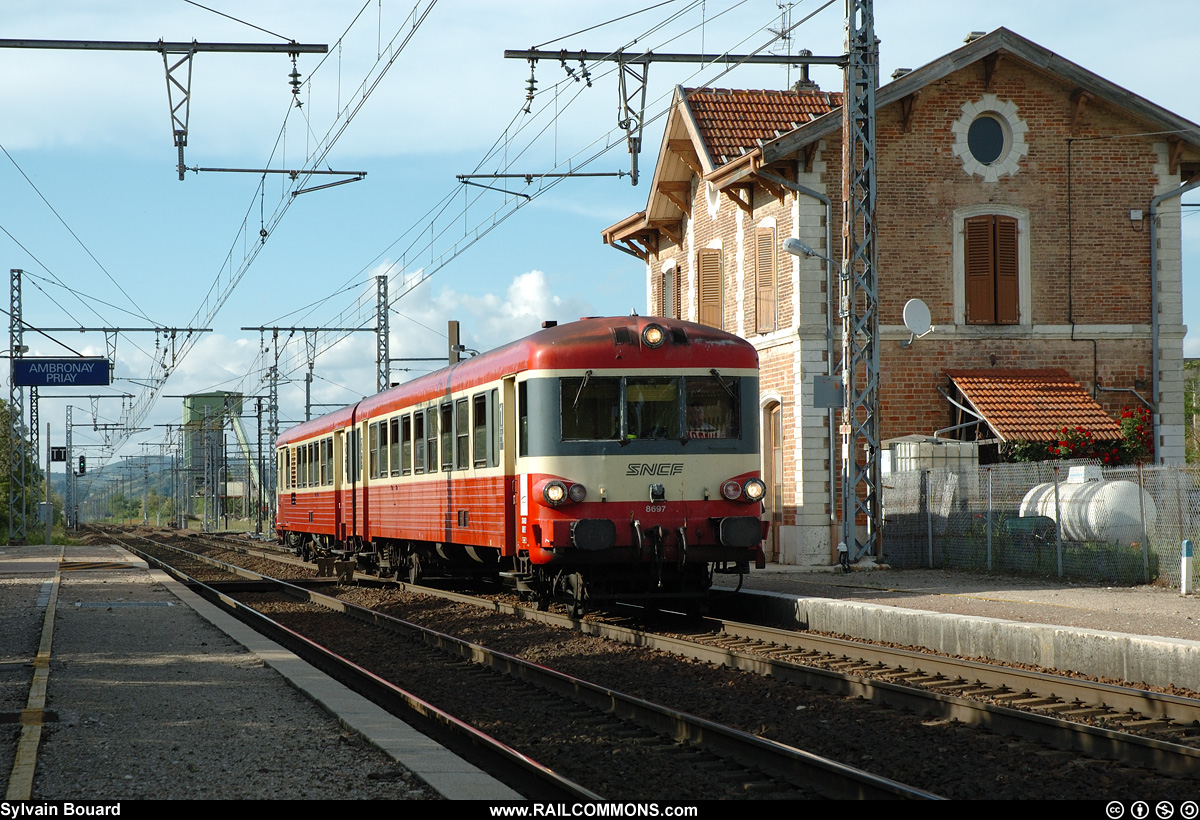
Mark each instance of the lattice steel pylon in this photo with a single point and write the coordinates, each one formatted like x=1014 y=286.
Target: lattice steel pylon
x=382 y=346
x=859 y=303
x=69 y=512
x=17 y=456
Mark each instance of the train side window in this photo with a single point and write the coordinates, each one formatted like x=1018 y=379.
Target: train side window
x=479 y=414
x=419 y=441
x=312 y=464
x=462 y=435
x=394 y=445
x=522 y=420
x=291 y=467
x=302 y=466
x=384 y=450
x=329 y=459
x=447 y=436
x=323 y=472
x=496 y=426
x=431 y=441
x=652 y=408
x=591 y=409
x=373 y=450
x=406 y=448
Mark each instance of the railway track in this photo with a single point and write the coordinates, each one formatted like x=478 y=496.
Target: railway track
x=597 y=735
x=948 y=691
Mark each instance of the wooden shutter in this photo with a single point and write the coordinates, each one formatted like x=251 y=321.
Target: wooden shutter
x=980 y=274
x=668 y=293
x=1008 y=303
x=764 y=265
x=708 y=269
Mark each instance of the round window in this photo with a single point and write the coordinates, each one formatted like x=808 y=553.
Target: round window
x=985 y=139
x=989 y=138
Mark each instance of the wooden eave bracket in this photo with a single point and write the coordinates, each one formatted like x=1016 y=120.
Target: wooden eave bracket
x=735 y=192
x=1174 y=153
x=678 y=192
x=772 y=188
x=671 y=228
x=908 y=106
x=989 y=69
x=1079 y=101
x=687 y=155
x=810 y=156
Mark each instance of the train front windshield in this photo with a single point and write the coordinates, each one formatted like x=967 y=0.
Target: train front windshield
x=634 y=408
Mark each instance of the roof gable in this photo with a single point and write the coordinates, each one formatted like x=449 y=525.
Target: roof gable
x=1001 y=42
x=733 y=122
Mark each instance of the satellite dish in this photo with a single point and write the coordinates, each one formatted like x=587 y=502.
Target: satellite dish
x=916 y=319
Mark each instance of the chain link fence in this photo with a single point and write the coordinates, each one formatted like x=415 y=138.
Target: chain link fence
x=1125 y=528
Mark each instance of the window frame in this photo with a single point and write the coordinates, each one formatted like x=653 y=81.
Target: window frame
x=1024 y=288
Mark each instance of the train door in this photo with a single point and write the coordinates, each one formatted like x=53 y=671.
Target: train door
x=339 y=519
x=508 y=458
x=362 y=451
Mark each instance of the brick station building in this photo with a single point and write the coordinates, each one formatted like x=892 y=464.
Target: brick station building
x=1031 y=204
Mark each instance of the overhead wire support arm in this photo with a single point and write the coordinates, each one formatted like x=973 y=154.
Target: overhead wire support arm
x=179 y=91
x=632 y=74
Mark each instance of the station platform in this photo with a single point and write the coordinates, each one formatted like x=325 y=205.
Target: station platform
x=116 y=682
x=1143 y=634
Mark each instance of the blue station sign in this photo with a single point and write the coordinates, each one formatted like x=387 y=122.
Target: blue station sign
x=73 y=372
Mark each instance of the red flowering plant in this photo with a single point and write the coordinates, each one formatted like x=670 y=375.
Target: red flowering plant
x=1137 y=434
x=1136 y=443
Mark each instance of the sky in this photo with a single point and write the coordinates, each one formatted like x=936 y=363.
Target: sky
x=91 y=207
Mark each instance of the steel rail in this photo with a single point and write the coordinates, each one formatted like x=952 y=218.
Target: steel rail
x=384 y=693
x=827 y=777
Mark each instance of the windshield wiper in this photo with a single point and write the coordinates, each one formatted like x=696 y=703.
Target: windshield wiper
x=586 y=376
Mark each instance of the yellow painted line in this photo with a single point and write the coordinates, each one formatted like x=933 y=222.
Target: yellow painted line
x=20 y=781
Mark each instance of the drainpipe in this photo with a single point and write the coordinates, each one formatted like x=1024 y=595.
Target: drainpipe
x=829 y=346
x=1178 y=192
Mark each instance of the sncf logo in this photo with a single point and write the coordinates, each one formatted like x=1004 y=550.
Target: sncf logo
x=661 y=468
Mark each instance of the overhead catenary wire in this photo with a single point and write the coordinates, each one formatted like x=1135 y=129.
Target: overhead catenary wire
x=502 y=213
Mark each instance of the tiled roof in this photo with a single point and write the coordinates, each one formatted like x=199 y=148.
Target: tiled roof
x=732 y=122
x=1033 y=405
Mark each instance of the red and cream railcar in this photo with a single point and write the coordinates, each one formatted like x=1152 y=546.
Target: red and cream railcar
x=606 y=458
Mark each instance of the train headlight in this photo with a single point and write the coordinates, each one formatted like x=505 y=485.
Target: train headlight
x=755 y=489
x=731 y=490
x=577 y=493
x=555 y=492
x=653 y=336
